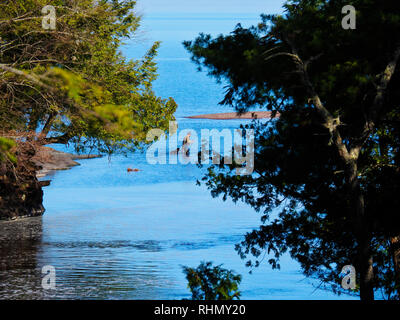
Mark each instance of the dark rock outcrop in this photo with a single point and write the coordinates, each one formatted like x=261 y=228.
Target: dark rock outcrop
x=21 y=193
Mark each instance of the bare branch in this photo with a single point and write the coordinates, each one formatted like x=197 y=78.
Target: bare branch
x=32 y=78
x=330 y=122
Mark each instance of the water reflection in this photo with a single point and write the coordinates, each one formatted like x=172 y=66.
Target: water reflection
x=135 y=248
x=84 y=269
x=20 y=275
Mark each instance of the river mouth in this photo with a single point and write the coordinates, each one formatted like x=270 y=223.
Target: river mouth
x=127 y=252
x=132 y=244
x=113 y=234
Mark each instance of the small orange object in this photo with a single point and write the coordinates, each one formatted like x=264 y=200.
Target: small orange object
x=132 y=170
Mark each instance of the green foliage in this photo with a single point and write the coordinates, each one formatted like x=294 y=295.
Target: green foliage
x=72 y=84
x=212 y=283
x=299 y=174
x=5 y=149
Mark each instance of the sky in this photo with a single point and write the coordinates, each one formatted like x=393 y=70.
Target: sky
x=209 y=6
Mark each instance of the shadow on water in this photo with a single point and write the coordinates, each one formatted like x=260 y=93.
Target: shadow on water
x=20 y=275
x=84 y=269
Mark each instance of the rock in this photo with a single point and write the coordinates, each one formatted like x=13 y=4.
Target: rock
x=44 y=183
x=21 y=193
x=50 y=160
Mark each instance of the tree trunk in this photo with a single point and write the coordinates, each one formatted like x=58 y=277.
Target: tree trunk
x=366 y=269
x=362 y=233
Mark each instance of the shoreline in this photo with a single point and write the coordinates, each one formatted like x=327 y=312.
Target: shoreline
x=47 y=161
x=51 y=160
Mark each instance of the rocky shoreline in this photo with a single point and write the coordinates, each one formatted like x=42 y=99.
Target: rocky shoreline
x=51 y=160
x=21 y=194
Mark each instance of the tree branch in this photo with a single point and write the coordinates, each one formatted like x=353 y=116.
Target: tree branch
x=34 y=79
x=373 y=114
x=330 y=122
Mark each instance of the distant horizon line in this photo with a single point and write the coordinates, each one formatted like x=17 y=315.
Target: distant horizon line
x=187 y=15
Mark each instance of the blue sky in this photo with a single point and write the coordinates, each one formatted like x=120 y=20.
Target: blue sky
x=209 y=6
x=173 y=21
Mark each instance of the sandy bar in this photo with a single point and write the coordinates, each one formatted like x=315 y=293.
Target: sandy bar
x=234 y=115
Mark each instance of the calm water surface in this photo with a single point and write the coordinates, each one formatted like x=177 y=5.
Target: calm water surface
x=114 y=235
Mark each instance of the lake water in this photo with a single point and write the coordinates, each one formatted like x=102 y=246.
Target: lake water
x=114 y=235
